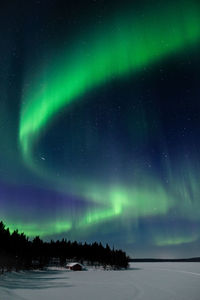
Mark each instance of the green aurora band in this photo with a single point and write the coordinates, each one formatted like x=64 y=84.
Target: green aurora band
x=108 y=54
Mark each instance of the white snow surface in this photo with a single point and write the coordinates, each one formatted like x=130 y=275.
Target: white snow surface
x=143 y=281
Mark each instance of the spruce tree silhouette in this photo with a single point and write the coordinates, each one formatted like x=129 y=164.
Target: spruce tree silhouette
x=19 y=253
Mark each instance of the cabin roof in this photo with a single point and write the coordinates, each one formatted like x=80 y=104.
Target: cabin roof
x=74 y=264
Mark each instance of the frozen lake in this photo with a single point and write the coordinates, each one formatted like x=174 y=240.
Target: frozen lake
x=149 y=281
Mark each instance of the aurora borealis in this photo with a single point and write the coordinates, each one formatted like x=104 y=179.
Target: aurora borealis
x=100 y=123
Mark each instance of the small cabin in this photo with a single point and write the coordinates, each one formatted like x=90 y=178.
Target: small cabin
x=75 y=266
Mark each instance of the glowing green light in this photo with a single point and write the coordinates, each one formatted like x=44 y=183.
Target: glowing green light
x=34 y=229
x=109 y=54
x=174 y=240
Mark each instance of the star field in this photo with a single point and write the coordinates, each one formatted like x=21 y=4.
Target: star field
x=99 y=122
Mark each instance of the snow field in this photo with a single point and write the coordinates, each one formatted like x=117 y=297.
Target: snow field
x=143 y=281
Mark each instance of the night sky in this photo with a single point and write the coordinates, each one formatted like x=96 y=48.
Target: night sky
x=99 y=122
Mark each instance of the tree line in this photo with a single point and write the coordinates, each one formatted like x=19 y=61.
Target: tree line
x=19 y=253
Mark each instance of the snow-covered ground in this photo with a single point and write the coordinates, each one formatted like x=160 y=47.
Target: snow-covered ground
x=143 y=281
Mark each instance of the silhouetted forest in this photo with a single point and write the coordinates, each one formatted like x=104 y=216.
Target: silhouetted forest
x=19 y=253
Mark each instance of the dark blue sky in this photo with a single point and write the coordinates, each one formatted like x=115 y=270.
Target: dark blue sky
x=120 y=163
